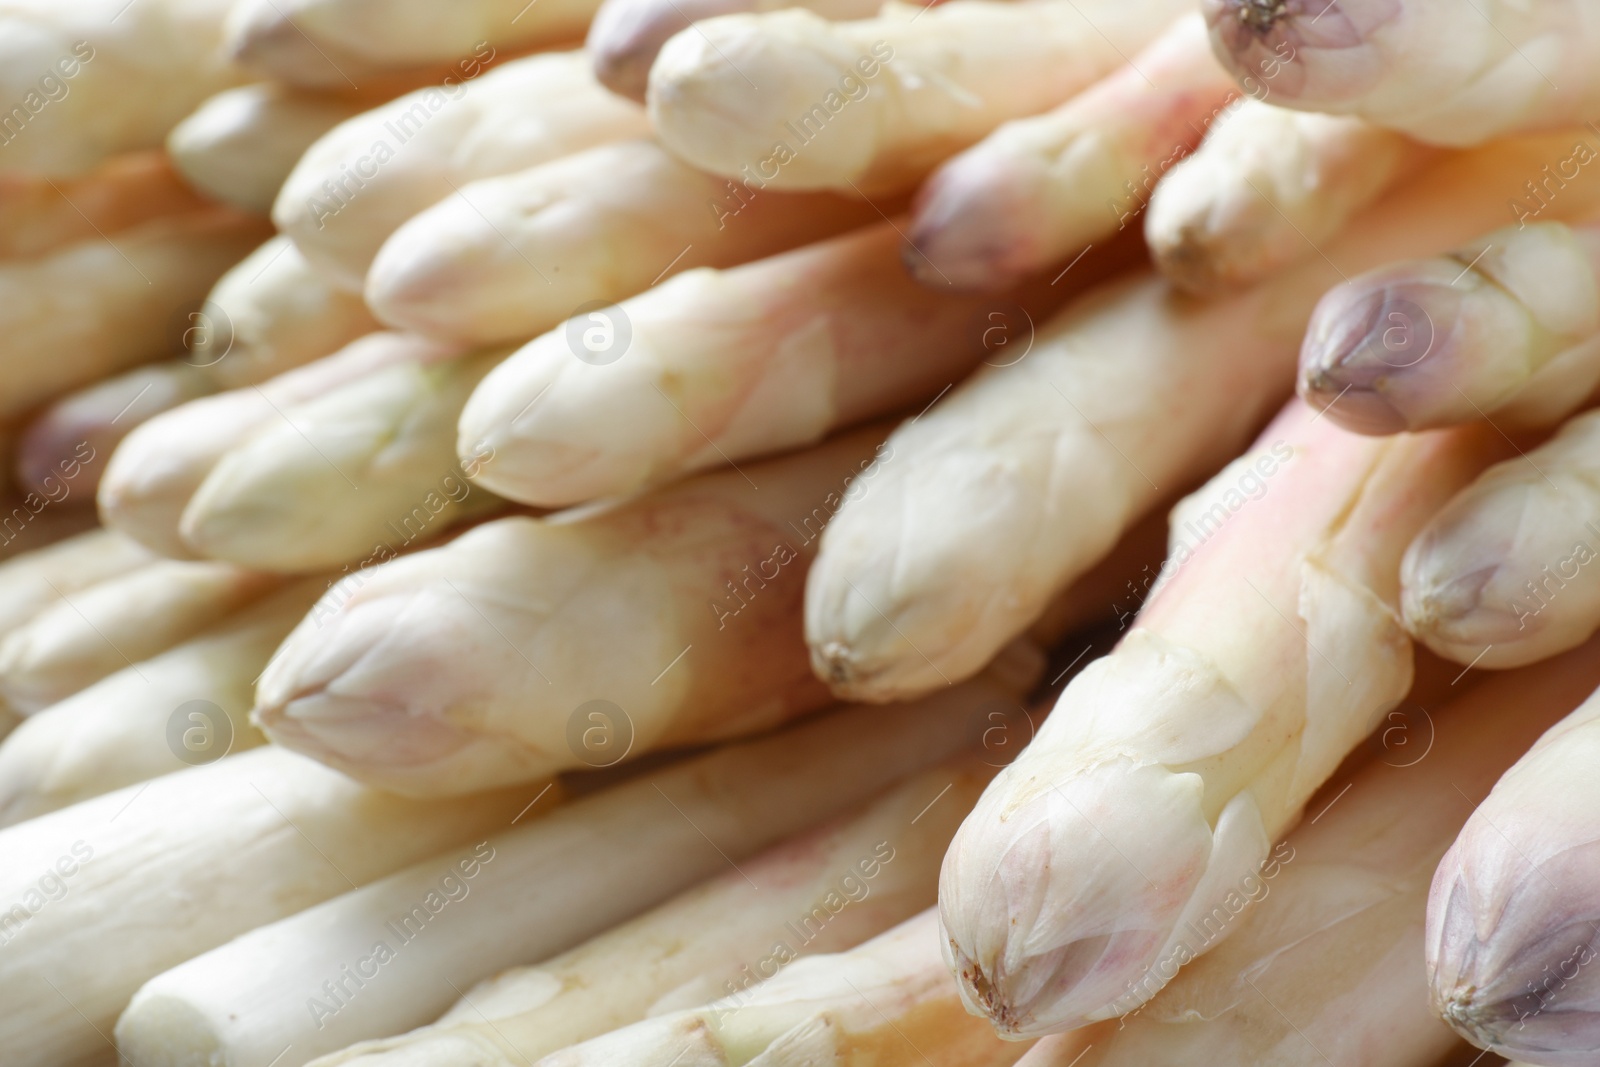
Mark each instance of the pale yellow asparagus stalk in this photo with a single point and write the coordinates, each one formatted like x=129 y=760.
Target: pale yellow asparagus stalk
x=715 y=366
x=824 y=891
x=155 y=470
x=1440 y=73
x=514 y=256
x=368 y=464
x=540 y=889
x=1506 y=327
x=1326 y=965
x=791 y=99
x=1503 y=575
x=326 y=43
x=1018 y=480
x=1267 y=188
x=96 y=307
x=1170 y=766
x=115 y=623
x=457 y=667
x=183 y=707
x=83 y=81
x=1038 y=191
x=40 y=214
x=36 y=581
x=367 y=175
x=101 y=896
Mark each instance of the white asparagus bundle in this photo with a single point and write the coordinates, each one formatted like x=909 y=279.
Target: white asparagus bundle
x=155 y=471
x=1442 y=74
x=86 y=80
x=1170 y=766
x=1018 y=480
x=35 y=581
x=107 y=893
x=96 y=307
x=40 y=214
x=514 y=256
x=1506 y=327
x=325 y=43
x=119 y=731
x=1500 y=577
x=115 y=623
x=721 y=365
x=791 y=100
x=825 y=891
x=368 y=465
x=540 y=889
x=674 y=616
x=367 y=175
x=1038 y=191
x=1267 y=188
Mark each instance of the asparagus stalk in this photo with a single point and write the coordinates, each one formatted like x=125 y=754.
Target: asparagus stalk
x=1508 y=67
x=367 y=175
x=454 y=668
x=369 y=465
x=1018 y=480
x=157 y=873
x=35 y=581
x=1038 y=191
x=622 y=850
x=824 y=891
x=183 y=707
x=1508 y=327
x=512 y=257
x=38 y=215
x=115 y=623
x=1172 y=764
x=155 y=471
x=1267 y=188
x=721 y=365
x=874 y=104
x=1499 y=578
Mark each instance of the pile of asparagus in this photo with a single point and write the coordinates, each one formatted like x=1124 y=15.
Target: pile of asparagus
x=703 y=533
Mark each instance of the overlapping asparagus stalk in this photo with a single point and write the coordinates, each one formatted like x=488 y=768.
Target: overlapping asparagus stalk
x=824 y=891
x=1015 y=482
x=35 y=581
x=516 y=255
x=169 y=869
x=651 y=837
x=367 y=175
x=182 y=707
x=456 y=668
x=1507 y=326
x=1268 y=651
x=1040 y=190
x=39 y=214
x=788 y=99
x=713 y=367
x=1267 y=188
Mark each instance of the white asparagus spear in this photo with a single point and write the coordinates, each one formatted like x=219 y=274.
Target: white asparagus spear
x=715 y=366
x=673 y=617
x=1038 y=191
x=1502 y=576
x=101 y=896
x=366 y=176
x=183 y=707
x=369 y=465
x=1442 y=74
x=98 y=306
x=1170 y=766
x=1506 y=327
x=1267 y=188
x=514 y=256
x=825 y=891
x=1020 y=478
x=153 y=473
x=40 y=214
x=37 y=580
x=116 y=623
x=539 y=889
x=870 y=106
x=83 y=81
